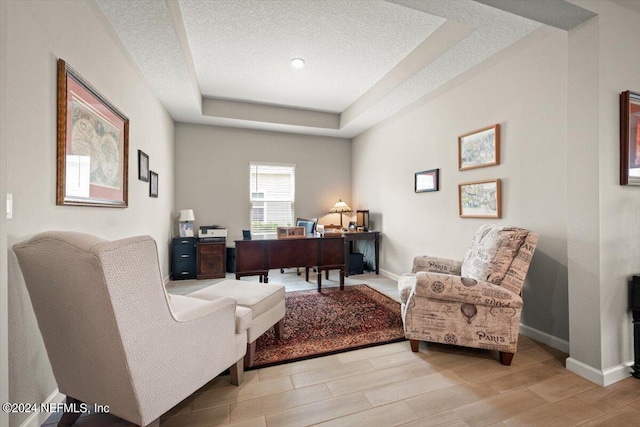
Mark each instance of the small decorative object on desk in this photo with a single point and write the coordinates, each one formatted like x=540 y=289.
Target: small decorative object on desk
x=186 y=222
x=290 y=232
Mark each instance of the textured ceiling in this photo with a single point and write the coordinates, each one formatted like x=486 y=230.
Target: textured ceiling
x=244 y=52
x=226 y=62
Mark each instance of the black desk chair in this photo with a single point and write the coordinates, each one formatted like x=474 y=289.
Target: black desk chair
x=309 y=225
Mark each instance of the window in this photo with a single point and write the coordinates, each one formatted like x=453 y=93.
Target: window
x=272 y=195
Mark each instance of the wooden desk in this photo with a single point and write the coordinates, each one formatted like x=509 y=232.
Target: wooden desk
x=355 y=236
x=257 y=257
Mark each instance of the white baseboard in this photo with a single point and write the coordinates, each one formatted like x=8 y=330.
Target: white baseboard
x=603 y=378
x=545 y=338
x=37 y=418
x=389 y=274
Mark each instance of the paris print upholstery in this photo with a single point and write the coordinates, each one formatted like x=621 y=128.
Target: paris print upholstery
x=479 y=309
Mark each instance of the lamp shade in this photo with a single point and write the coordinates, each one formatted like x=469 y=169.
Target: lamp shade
x=187 y=215
x=340 y=207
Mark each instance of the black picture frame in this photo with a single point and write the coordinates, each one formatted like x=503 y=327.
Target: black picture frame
x=426 y=181
x=630 y=138
x=153 y=184
x=143 y=166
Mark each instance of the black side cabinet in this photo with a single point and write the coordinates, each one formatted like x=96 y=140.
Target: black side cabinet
x=183 y=260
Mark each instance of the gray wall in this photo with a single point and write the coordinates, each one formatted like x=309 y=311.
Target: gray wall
x=38 y=33
x=604 y=230
x=523 y=88
x=212 y=173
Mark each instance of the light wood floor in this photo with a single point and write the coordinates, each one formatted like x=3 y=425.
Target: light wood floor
x=391 y=386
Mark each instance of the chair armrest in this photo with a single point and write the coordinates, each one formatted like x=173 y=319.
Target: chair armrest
x=445 y=287
x=436 y=265
x=185 y=309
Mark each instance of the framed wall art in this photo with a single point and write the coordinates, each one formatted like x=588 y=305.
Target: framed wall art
x=480 y=199
x=479 y=148
x=143 y=166
x=427 y=181
x=93 y=145
x=153 y=184
x=630 y=138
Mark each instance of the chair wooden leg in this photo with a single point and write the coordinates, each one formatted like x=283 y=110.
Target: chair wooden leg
x=506 y=358
x=249 y=358
x=236 y=372
x=69 y=418
x=278 y=328
x=415 y=345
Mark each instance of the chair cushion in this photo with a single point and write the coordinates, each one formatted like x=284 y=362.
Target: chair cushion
x=491 y=252
x=259 y=297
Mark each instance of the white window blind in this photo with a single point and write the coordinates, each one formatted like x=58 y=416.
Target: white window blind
x=272 y=195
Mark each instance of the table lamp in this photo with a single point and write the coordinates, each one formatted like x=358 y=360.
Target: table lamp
x=186 y=222
x=340 y=207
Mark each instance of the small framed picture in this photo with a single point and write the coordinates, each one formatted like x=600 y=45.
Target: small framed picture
x=479 y=148
x=143 y=166
x=480 y=199
x=427 y=181
x=153 y=184
x=629 y=138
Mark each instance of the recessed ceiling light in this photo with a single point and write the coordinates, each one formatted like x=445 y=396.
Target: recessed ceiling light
x=297 y=62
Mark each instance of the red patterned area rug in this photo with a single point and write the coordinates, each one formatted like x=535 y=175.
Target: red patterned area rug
x=331 y=321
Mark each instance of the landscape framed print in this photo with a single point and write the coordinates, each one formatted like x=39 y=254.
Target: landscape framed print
x=427 y=181
x=92 y=145
x=630 y=138
x=480 y=199
x=479 y=148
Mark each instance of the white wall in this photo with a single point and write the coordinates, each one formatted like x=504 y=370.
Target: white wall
x=38 y=33
x=212 y=173
x=523 y=88
x=605 y=250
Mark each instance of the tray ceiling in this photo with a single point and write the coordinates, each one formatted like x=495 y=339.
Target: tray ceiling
x=227 y=62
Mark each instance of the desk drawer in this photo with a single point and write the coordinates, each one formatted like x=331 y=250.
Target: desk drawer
x=184 y=270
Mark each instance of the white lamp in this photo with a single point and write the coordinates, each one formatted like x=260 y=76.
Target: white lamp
x=186 y=222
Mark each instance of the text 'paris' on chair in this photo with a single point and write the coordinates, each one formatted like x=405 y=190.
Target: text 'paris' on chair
x=474 y=303
x=113 y=335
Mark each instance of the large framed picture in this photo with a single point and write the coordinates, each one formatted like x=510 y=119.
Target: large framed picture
x=630 y=138
x=480 y=199
x=479 y=148
x=93 y=145
x=427 y=181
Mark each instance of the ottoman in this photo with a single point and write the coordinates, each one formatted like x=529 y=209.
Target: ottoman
x=266 y=302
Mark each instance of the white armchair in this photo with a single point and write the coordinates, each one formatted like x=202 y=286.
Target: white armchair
x=112 y=334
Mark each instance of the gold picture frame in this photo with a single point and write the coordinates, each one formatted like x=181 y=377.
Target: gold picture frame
x=480 y=199
x=480 y=148
x=92 y=145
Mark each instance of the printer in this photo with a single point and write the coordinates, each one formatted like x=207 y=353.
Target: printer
x=212 y=233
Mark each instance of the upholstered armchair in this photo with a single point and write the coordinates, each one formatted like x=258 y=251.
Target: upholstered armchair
x=473 y=303
x=112 y=334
